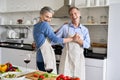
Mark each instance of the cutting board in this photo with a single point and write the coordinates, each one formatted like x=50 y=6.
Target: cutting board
x=31 y=77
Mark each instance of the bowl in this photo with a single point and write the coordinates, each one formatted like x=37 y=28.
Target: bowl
x=12 y=76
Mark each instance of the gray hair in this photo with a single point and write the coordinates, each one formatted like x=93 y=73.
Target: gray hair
x=46 y=9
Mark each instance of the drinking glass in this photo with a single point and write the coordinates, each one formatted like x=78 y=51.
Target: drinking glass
x=27 y=59
x=49 y=70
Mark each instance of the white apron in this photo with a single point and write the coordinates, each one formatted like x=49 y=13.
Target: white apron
x=48 y=56
x=72 y=62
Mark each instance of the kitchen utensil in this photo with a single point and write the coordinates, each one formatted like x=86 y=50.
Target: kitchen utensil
x=22 y=35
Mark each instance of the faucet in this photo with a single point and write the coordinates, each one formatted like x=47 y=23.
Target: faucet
x=22 y=43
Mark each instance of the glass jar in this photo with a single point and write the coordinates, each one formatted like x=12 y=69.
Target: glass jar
x=90 y=19
x=103 y=19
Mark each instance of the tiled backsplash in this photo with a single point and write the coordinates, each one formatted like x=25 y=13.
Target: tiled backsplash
x=97 y=33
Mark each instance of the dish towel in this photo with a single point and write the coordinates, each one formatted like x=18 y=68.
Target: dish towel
x=48 y=56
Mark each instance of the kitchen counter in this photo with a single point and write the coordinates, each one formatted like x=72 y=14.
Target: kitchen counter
x=90 y=54
x=87 y=53
x=17 y=46
x=57 y=49
x=96 y=55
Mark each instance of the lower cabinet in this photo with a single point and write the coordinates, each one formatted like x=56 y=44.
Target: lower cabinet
x=16 y=57
x=95 y=69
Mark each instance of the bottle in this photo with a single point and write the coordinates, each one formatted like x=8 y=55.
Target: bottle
x=22 y=43
x=88 y=19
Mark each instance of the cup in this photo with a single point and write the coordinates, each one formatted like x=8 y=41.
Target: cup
x=97 y=2
x=11 y=22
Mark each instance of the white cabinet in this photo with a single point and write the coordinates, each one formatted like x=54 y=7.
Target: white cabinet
x=95 y=15
x=31 y=5
x=95 y=69
x=16 y=57
x=2 y=5
x=95 y=18
x=12 y=10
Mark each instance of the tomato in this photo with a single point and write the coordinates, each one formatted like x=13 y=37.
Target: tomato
x=36 y=75
x=60 y=77
x=42 y=76
x=68 y=77
x=63 y=77
x=76 y=78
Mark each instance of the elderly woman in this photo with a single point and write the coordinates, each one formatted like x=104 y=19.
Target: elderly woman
x=43 y=34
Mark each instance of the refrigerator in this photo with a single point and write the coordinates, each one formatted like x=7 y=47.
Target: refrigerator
x=113 y=56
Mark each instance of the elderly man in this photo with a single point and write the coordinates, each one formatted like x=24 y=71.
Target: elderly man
x=72 y=61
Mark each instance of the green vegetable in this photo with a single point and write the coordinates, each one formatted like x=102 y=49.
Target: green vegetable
x=39 y=79
x=10 y=76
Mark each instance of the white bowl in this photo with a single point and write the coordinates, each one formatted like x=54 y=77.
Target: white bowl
x=16 y=78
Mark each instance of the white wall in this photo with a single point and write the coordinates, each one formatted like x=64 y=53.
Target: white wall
x=0 y=56
x=113 y=64
x=114 y=1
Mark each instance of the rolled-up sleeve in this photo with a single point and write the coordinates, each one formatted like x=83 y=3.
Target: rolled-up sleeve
x=86 y=39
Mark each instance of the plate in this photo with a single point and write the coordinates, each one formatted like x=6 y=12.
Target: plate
x=11 y=34
x=11 y=73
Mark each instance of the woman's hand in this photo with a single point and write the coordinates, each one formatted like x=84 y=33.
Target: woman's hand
x=33 y=45
x=76 y=37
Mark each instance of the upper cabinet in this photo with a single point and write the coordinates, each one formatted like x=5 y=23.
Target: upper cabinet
x=28 y=5
x=94 y=12
x=2 y=5
x=36 y=5
x=95 y=15
x=91 y=3
x=28 y=10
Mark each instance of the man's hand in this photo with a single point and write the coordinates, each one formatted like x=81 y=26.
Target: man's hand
x=77 y=39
